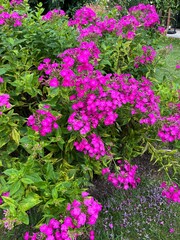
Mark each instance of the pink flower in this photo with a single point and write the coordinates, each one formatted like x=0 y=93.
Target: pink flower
x=54 y=82
x=118 y=7
x=84 y=194
x=1 y=80
x=171 y=230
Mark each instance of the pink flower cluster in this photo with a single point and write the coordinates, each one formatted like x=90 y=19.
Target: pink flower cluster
x=178 y=66
x=98 y=28
x=118 y=7
x=54 y=13
x=147 y=57
x=172 y=192
x=170 y=130
x=83 y=58
x=51 y=73
x=11 y=18
x=145 y=14
x=126 y=176
x=79 y=214
x=98 y=97
x=43 y=121
x=15 y=2
x=4 y=101
x=5 y=194
x=89 y=25
x=162 y=30
x=92 y=145
x=127 y=26
x=83 y=16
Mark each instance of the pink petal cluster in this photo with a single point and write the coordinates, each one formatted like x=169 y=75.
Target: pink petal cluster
x=83 y=58
x=172 y=192
x=51 y=73
x=54 y=13
x=79 y=214
x=126 y=176
x=91 y=145
x=4 y=101
x=170 y=130
x=97 y=97
x=178 y=66
x=12 y=19
x=145 y=14
x=42 y=121
x=127 y=26
x=15 y=2
x=147 y=57
x=83 y=17
x=91 y=26
x=162 y=30
x=118 y=7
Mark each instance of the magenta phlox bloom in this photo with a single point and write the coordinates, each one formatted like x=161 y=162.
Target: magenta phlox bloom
x=11 y=19
x=170 y=130
x=127 y=26
x=82 y=17
x=42 y=121
x=16 y=2
x=4 y=102
x=145 y=14
x=172 y=192
x=51 y=72
x=52 y=14
x=79 y=214
x=126 y=176
x=92 y=145
x=147 y=57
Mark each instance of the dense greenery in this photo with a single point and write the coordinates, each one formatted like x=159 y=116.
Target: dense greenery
x=77 y=96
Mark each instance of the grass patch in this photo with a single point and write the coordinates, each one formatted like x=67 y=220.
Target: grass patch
x=140 y=213
x=168 y=70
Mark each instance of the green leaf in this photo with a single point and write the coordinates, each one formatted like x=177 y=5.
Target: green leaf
x=23 y=217
x=9 y=201
x=31 y=200
x=11 y=172
x=15 y=136
x=27 y=180
x=54 y=193
x=15 y=187
x=3 y=70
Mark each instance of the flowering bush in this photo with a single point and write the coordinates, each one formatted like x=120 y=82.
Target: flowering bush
x=79 y=214
x=69 y=96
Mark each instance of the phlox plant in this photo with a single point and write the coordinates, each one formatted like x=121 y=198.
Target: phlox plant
x=80 y=217
x=75 y=96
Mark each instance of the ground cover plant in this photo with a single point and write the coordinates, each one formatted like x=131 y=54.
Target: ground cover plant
x=79 y=98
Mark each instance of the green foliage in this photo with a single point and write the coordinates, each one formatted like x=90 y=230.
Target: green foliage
x=45 y=172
